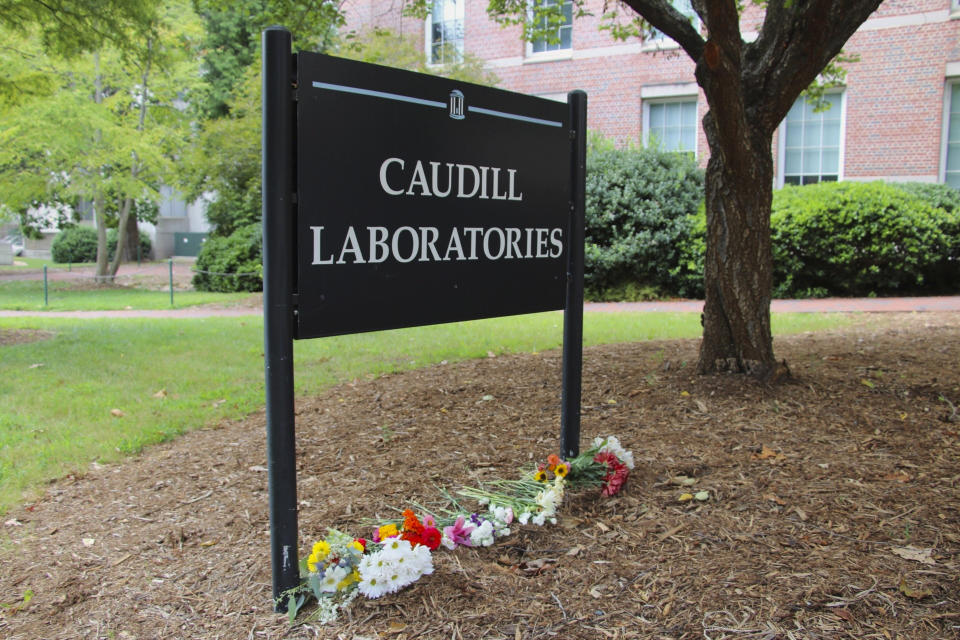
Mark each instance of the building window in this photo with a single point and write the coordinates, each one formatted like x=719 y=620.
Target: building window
x=445 y=32
x=560 y=34
x=670 y=125
x=685 y=7
x=951 y=139
x=812 y=141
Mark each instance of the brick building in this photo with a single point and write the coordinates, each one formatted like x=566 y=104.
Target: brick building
x=896 y=118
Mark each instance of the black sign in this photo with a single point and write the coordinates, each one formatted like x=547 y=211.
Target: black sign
x=424 y=200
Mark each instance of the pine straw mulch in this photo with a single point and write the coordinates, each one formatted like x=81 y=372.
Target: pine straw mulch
x=833 y=510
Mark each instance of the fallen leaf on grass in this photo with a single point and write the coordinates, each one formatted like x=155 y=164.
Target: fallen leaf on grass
x=701 y=496
x=685 y=497
x=208 y=543
x=35 y=365
x=910 y=592
x=396 y=627
x=912 y=553
x=160 y=394
x=774 y=498
x=868 y=383
x=88 y=542
x=218 y=403
x=683 y=481
x=116 y=413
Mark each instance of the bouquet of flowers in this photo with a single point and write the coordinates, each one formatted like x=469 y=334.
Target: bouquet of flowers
x=339 y=568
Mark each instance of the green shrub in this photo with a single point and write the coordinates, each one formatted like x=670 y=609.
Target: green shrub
x=74 y=244
x=638 y=214
x=79 y=244
x=855 y=239
x=239 y=253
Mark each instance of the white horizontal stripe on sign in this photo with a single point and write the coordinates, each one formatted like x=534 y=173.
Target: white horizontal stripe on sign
x=513 y=116
x=431 y=103
x=379 y=94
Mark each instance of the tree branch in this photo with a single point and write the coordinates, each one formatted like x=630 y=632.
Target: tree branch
x=797 y=40
x=662 y=15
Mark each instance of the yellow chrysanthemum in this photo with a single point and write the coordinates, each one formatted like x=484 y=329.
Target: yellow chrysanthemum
x=540 y=475
x=388 y=531
x=562 y=469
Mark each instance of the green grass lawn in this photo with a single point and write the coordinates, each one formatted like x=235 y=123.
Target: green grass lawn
x=70 y=295
x=22 y=263
x=171 y=375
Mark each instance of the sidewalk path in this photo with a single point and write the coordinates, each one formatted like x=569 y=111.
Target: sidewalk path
x=823 y=305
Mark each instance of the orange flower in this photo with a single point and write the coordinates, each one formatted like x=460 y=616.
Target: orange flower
x=411 y=524
x=552 y=461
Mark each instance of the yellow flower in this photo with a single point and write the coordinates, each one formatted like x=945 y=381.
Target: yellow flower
x=356 y=545
x=349 y=580
x=540 y=475
x=388 y=531
x=562 y=469
x=321 y=549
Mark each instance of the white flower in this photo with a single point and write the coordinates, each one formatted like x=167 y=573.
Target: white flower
x=612 y=445
x=539 y=519
x=331 y=578
x=394 y=548
x=373 y=585
x=482 y=536
x=524 y=517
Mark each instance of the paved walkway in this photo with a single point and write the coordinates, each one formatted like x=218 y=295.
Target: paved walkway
x=823 y=305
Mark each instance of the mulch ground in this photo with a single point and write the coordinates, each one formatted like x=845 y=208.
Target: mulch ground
x=833 y=509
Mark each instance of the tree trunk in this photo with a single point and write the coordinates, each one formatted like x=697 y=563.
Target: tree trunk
x=121 y=236
x=133 y=239
x=103 y=257
x=738 y=272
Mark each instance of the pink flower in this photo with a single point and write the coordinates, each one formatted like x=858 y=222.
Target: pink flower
x=428 y=521
x=459 y=532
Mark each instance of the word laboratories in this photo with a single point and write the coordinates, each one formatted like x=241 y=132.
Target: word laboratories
x=396 y=199
x=406 y=244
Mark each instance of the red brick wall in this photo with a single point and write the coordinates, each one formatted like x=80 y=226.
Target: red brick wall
x=894 y=94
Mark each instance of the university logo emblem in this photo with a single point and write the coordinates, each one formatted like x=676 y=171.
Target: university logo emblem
x=456 y=105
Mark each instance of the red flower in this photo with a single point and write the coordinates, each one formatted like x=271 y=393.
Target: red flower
x=431 y=538
x=617 y=473
x=411 y=537
x=362 y=541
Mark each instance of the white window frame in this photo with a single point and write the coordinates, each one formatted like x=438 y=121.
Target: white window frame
x=782 y=141
x=659 y=41
x=428 y=33
x=553 y=54
x=948 y=86
x=660 y=94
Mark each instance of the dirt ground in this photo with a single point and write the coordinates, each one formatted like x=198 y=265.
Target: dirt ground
x=833 y=510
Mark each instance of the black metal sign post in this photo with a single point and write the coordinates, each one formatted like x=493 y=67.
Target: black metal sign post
x=278 y=287
x=573 y=311
x=396 y=199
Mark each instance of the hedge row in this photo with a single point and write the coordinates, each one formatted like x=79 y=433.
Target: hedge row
x=646 y=228
x=79 y=244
